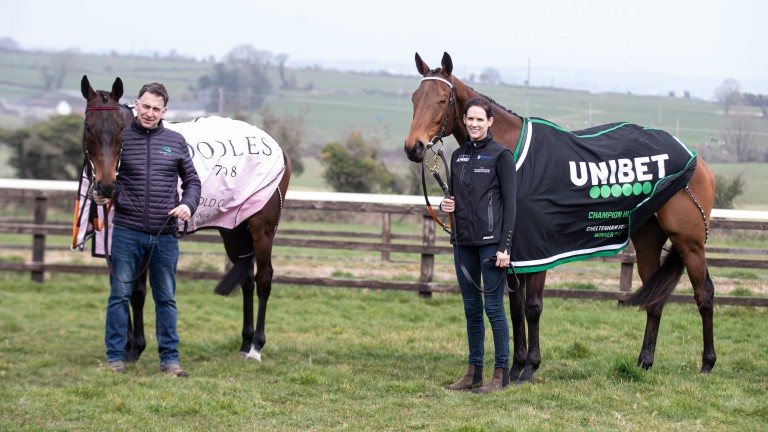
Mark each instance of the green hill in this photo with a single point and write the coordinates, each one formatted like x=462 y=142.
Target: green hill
x=379 y=104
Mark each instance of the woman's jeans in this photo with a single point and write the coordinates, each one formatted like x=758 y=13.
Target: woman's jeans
x=476 y=260
x=129 y=249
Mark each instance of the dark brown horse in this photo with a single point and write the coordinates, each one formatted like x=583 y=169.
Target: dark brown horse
x=250 y=241
x=438 y=106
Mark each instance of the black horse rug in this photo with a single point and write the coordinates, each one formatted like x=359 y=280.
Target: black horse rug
x=582 y=194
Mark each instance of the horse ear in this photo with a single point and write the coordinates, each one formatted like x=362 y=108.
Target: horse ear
x=117 y=89
x=447 y=64
x=421 y=66
x=85 y=88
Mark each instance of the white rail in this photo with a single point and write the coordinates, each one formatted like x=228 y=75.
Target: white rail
x=53 y=185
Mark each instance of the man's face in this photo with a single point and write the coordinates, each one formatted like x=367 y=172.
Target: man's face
x=150 y=109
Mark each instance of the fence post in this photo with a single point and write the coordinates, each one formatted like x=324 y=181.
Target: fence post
x=627 y=270
x=38 y=238
x=386 y=233
x=427 y=260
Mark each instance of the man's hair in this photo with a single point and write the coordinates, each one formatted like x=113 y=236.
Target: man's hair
x=156 y=89
x=482 y=102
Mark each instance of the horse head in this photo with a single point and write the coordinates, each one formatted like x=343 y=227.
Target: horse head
x=102 y=138
x=435 y=114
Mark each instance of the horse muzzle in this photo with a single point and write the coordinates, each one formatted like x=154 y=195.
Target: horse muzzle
x=104 y=189
x=416 y=152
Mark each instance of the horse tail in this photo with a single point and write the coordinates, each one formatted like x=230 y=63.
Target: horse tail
x=240 y=271
x=656 y=290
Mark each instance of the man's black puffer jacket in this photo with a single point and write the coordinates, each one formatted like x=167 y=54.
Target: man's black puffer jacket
x=151 y=164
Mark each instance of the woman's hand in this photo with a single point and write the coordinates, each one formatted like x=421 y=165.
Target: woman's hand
x=448 y=205
x=502 y=259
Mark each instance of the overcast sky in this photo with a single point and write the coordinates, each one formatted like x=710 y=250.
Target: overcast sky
x=665 y=42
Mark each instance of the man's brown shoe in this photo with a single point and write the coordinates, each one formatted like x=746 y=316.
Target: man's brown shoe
x=175 y=370
x=117 y=366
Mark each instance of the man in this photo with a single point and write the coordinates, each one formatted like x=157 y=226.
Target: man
x=147 y=206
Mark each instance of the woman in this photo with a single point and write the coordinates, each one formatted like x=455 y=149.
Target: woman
x=483 y=208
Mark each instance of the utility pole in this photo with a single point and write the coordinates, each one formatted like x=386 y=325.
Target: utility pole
x=528 y=80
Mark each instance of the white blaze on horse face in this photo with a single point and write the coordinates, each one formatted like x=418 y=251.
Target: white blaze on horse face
x=477 y=122
x=150 y=109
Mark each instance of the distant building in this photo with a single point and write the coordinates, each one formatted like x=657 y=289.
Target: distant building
x=41 y=106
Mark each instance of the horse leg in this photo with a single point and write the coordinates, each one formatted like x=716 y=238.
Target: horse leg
x=534 y=305
x=649 y=240
x=247 y=350
x=705 y=299
x=517 y=311
x=262 y=234
x=136 y=342
x=238 y=244
x=690 y=243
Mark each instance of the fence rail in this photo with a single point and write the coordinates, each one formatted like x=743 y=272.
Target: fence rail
x=386 y=206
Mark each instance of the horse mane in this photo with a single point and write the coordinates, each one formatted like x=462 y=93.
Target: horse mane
x=494 y=102
x=439 y=70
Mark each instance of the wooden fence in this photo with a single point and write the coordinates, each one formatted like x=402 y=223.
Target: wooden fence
x=387 y=242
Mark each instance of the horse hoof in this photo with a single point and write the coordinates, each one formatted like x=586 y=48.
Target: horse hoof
x=250 y=355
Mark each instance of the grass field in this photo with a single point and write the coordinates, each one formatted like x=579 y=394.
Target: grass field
x=339 y=359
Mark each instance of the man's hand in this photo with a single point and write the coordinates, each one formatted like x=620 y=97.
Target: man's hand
x=100 y=200
x=182 y=212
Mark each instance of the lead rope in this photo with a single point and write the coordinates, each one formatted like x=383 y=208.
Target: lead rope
x=107 y=251
x=703 y=215
x=151 y=248
x=435 y=170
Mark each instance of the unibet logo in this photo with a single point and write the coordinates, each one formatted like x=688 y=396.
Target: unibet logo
x=618 y=177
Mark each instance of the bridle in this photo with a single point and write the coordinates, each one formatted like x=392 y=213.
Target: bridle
x=87 y=154
x=108 y=207
x=435 y=171
x=451 y=107
x=92 y=168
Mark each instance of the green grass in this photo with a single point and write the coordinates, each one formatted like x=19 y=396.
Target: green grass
x=342 y=359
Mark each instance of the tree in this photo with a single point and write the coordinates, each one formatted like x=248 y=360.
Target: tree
x=727 y=189
x=239 y=83
x=490 y=75
x=49 y=150
x=288 y=131
x=728 y=94
x=353 y=166
x=9 y=44
x=757 y=100
x=286 y=83
x=740 y=137
x=56 y=71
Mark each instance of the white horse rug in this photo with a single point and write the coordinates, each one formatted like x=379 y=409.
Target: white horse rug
x=239 y=165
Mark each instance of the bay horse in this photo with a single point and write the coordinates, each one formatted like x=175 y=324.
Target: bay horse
x=438 y=107
x=249 y=242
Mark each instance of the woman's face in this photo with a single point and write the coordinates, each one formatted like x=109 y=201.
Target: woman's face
x=477 y=123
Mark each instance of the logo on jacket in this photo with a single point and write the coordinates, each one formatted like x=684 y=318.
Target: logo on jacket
x=166 y=151
x=462 y=158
